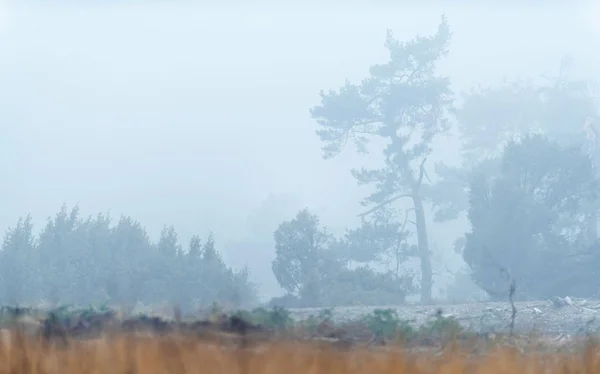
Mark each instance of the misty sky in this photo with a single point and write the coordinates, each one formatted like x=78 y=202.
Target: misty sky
x=192 y=116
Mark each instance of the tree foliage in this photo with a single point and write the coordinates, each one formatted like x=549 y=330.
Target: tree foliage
x=380 y=240
x=303 y=258
x=562 y=108
x=527 y=215
x=404 y=103
x=90 y=261
x=314 y=266
x=19 y=264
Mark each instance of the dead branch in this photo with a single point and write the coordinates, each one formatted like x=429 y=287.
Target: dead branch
x=384 y=202
x=512 y=289
x=406 y=218
x=511 y=293
x=400 y=241
x=421 y=172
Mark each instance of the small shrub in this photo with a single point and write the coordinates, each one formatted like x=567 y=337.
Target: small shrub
x=441 y=328
x=385 y=324
x=314 y=322
x=277 y=318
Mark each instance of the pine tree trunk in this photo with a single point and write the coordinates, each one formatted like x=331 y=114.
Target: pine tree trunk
x=424 y=254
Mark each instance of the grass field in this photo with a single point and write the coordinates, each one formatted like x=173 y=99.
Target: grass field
x=270 y=341
x=177 y=354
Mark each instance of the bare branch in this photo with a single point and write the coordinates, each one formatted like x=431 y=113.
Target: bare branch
x=511 y=294
x=400 y=240
x=383 y=203
x=406 y=218
x=427 y=176
x=512 y=288
x=421 y=172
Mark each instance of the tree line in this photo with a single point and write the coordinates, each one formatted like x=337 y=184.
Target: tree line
x=95 y=260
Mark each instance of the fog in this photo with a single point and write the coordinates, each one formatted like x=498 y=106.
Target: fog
x=195 y=115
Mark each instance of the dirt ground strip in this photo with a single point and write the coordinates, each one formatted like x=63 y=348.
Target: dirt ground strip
x=568 y=316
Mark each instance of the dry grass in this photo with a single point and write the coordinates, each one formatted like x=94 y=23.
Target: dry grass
x=145 y=354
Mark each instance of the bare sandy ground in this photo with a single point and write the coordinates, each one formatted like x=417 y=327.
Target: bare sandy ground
x=557 y=316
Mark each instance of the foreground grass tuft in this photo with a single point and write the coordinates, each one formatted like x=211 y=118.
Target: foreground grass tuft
x=176 y=354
